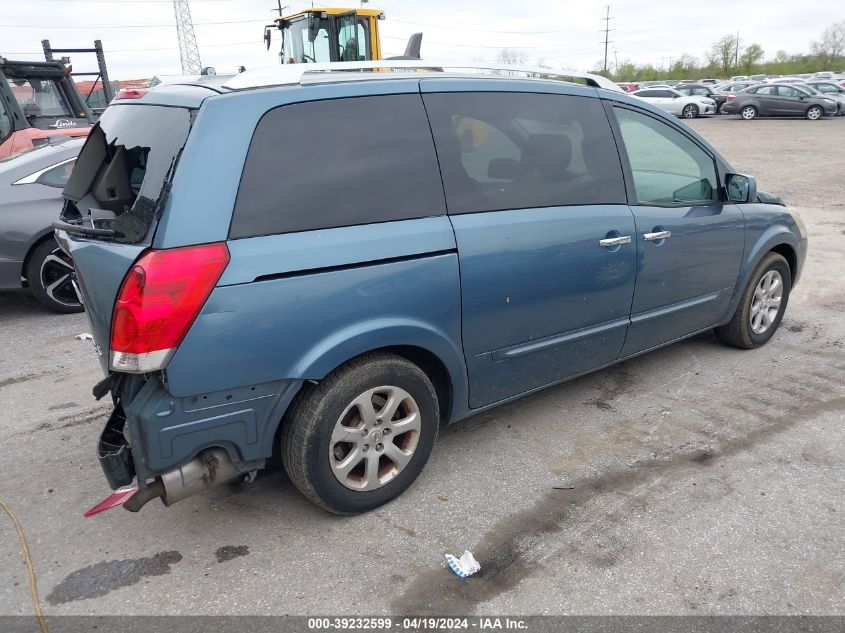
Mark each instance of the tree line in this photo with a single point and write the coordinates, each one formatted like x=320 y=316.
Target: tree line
x=726 y=57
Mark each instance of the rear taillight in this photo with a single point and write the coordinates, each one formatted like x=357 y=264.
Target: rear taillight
x=158 y=301
x=731 y=97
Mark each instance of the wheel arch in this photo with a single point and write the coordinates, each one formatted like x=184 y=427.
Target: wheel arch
x=40 y=238
x=777 y=239
x=430 y=349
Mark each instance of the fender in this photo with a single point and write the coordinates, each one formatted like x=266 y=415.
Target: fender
x=359 y=338
x=773 y=235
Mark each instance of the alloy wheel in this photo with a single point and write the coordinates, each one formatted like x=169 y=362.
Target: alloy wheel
x=749 y=113
x=58 y=278
x=814 y=113
x=374 y=438
x=690 y=112
x=765 y=304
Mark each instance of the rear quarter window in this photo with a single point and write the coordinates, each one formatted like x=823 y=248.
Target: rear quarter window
x=339 y=162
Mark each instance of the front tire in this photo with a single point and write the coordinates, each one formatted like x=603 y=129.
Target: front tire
x=748 y=113
x=361 y=437
x=52 y=278
x=761 y=306
x=814 y=113
x=690 y=111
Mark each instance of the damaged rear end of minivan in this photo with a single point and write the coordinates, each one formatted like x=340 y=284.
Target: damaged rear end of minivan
x=141 y=300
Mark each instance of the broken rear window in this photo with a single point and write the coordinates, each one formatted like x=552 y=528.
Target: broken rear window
x=121 y=175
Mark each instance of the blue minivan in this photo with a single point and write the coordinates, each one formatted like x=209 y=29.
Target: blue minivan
x=329 y=268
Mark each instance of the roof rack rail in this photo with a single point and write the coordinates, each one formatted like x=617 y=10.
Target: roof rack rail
x=292 y=74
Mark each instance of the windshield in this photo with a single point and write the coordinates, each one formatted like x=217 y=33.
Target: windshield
x=40 y=98
x=122 y=173
x=300 y=49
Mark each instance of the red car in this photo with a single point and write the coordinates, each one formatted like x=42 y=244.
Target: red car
x=628 y=86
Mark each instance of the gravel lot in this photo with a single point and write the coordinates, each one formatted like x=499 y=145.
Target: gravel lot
x=706 y=480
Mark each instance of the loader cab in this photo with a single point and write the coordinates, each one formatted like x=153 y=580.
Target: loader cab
x=38 y=100
x=317 y=36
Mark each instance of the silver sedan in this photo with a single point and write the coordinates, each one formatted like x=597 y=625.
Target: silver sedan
x=669 y=99
x=31 y=187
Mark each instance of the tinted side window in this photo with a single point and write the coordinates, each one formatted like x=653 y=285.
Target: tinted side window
x=648 y=93
x=337 y=163
x=665 y=94
x=668 y=168
x=766 y=90
x=516 y=151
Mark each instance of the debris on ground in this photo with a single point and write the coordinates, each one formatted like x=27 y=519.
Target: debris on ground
x=85 y=336
x=464 y=566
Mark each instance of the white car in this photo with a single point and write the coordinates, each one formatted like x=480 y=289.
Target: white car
x=669 y=99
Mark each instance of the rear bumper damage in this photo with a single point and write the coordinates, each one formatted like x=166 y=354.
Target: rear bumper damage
x=177 y=447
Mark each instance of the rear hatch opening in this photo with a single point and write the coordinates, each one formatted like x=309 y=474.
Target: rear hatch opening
x=113 y=201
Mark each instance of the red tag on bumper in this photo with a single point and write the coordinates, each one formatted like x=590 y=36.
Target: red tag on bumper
x=117 y=498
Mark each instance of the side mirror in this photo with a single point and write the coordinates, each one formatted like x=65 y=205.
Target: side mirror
x=676 y=96
x=741 y=188
x=268 y=38
x=313 y=27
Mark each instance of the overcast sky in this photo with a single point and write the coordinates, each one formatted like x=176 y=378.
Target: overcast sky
x=139 y=36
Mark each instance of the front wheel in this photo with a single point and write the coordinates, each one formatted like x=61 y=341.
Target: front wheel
x=748 y=113
x=52 y=278
x=762 y=305
x=690 y=111
x=814 y=113
x=362 y=436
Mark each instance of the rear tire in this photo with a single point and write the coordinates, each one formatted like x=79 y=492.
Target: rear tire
x=814 y=113
x=52 y=278
x=362 y=436
x=761 y=306
x=748 y=113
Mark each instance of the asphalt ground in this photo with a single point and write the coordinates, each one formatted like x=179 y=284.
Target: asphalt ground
x=698 y=479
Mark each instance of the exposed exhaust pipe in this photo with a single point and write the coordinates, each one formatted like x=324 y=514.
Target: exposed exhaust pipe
x=210 y=468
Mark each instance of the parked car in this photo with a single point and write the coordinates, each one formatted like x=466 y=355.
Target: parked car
x=628 y=86
x=787 y=80
x=675 y=102
x=779 y=100
x=711 y=82
x=734 y=86
x=739 y=78
x=31 y=184
x=830 y=90
x=703 y=90
x=354 y=263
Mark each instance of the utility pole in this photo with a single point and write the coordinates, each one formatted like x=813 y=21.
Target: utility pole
x=189 y=54
x=607 y=31
x=736 y=54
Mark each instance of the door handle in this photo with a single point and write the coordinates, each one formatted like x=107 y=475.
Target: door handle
x=659 y=235
x=615 y=241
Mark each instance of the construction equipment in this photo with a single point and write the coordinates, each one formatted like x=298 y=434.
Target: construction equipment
x=101 y=75
x=39 y=100
x=323 y=35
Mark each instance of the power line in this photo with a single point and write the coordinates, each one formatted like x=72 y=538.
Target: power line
x=467 y=28
x=122 y=26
